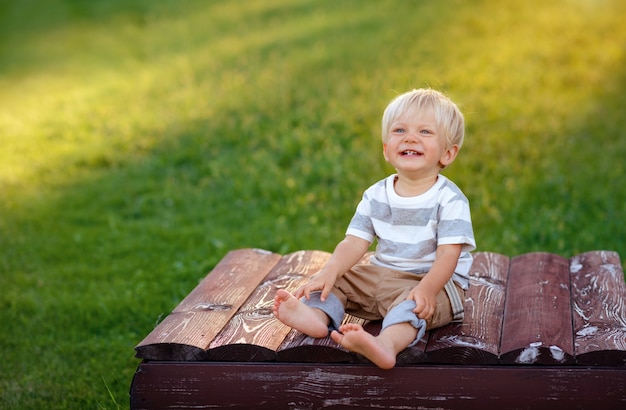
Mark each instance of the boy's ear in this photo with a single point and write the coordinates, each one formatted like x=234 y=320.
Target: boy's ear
x=385 y=152
x=448 y=156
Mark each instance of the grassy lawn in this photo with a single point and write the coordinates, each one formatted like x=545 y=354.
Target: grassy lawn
x=140 y=141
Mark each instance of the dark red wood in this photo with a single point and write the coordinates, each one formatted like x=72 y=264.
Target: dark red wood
x=599 y=308
x=537 y=327
x=477 y=339
x=175 y=385
x=240 y=352
x=311 y=350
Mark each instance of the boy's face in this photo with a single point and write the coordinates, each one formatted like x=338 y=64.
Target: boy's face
x=416 y=144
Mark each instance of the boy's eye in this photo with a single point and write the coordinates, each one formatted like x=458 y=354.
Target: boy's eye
x=399 y=130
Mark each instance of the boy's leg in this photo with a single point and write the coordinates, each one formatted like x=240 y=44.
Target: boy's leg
x=396 y=308
x=314 y=317
x=401 y=326
x=403 y=313
x=311 y=317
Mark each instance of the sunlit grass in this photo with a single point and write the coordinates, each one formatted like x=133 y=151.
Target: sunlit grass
x=141 y=141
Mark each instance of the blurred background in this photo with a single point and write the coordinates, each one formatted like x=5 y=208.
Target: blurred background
x=140 y=141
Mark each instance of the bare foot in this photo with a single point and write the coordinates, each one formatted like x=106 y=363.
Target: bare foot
x=296 y=314
x=358 y=340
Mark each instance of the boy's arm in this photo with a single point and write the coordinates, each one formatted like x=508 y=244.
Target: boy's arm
x=347 y=253
x=425 y=293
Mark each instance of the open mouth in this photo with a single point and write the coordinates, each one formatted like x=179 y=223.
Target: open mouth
x=410 y=153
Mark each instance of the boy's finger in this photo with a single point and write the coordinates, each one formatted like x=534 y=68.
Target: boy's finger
x=425 y=313
x=325 y=292
x=299 y=292
x=422 y=311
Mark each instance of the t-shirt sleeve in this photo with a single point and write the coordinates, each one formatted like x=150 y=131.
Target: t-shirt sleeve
x=455 y=224
x=361 y=224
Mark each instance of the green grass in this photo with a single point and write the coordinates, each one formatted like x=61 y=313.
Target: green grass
x=140 y=141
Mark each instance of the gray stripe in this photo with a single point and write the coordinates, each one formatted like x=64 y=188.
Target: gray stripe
x=459 y=195
x=454 y=227
x=455 y=301
x=361 y=223
x=414 y=251
x=401 y=216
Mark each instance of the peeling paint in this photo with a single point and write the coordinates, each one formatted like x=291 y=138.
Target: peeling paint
x=460 y=340
x=528 y=355
x=575 y=266
x=557 y=353
x=213 y=306
x=587 y=331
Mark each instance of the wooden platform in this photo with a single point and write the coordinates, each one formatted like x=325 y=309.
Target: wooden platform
x=539 y=329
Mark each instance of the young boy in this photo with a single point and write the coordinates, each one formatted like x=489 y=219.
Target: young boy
x=421 y=220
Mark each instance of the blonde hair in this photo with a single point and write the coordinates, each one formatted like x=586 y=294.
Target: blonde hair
x=447 y=114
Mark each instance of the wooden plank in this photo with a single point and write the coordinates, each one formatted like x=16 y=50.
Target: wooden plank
x=254 y=334
x=175 y=385
x=599 y=306
x=476 y=340
x=537 y=324
x=186 y=333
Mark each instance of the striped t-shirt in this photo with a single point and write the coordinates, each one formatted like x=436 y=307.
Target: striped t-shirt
x=409 y=229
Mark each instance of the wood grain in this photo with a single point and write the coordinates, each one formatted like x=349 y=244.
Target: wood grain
x=186 y=333
x=272 y=386
x=537 y=326
x=599 y=308
x=476 y=340
x=254 y=326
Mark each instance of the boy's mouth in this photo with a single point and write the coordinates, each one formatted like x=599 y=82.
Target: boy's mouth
x=410 y=153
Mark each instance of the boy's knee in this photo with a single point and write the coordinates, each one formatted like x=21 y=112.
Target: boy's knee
x=403 y=313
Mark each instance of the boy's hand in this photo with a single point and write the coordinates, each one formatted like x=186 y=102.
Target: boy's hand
x=346 y=254
x=425 y=293
x=322 y=280
x=425 y=303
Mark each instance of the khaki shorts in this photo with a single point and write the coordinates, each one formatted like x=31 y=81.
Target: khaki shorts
x=371 y=291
